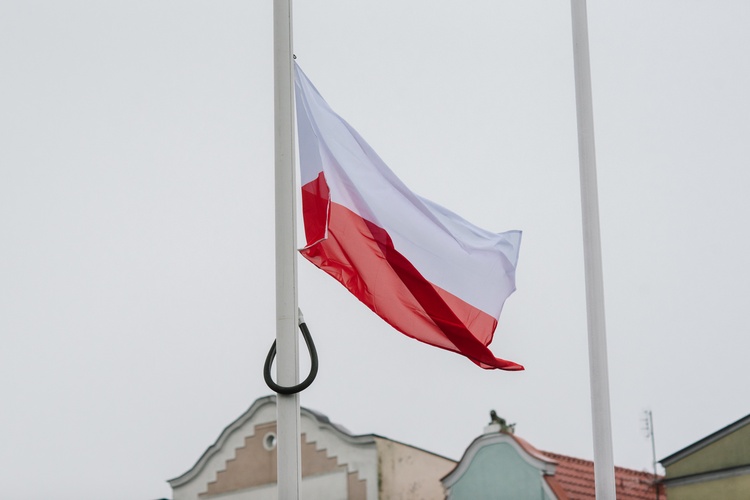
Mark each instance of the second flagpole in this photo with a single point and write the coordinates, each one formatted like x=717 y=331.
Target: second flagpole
x=604 y=469
x=287 y=344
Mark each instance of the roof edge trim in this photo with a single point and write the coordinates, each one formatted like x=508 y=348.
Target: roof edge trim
x=702 y=443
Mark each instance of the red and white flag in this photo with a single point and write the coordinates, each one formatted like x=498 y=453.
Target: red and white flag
x=426 y=271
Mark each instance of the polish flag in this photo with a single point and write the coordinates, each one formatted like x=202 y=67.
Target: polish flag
x=430 y=274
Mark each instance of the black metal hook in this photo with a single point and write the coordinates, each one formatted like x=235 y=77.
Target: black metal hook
x=279 y=389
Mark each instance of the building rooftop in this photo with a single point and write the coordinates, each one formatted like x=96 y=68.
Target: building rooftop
x=575 y=477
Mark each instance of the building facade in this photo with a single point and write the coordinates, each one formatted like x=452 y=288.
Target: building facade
x=336 y=465
x=716 y=467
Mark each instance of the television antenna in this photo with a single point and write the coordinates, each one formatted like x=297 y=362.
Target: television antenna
x=648 y=422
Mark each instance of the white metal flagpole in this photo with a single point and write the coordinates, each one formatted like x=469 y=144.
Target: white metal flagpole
x=287 y=344
x=604 y=469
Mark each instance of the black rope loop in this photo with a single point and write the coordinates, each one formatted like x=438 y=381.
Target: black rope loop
x=280 y=389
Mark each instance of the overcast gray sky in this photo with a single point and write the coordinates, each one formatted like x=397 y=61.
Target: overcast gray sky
x=136 y=224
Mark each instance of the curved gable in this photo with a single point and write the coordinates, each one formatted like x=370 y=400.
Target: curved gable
x=497 y=465
x=243 y=459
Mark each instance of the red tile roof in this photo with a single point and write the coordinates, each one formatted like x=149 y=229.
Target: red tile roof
x=575 y=477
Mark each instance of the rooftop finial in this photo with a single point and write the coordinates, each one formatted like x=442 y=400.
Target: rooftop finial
x=504 y=426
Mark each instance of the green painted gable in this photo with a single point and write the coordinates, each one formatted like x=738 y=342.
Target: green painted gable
x=497 y=471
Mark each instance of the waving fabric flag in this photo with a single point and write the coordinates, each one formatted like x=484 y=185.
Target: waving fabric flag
x=426 y=271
